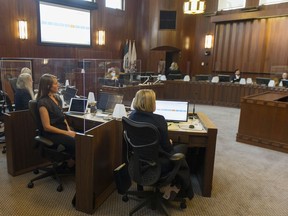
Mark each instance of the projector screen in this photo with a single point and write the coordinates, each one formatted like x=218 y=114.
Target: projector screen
x=174 y=111
x=64 y=25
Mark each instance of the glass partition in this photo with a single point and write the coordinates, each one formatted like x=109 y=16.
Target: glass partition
x=10 y=70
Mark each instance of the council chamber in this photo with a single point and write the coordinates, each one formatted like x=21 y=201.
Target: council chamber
x=214 y=55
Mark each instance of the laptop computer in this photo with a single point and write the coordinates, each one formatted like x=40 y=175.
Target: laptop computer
x=78 y=106
x=68 y=94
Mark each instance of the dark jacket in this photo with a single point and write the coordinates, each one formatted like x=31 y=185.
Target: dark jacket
x=21 y=99
x=157 y=120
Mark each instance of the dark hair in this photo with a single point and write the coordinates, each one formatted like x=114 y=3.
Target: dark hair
x=46 y=82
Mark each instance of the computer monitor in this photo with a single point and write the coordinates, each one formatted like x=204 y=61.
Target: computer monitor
x=202 y=77
x=285 y=83
x=107 y=101
x=174 y=111
x=124 y=79
x=174 y=77
x=262 y=81
x=224 y=78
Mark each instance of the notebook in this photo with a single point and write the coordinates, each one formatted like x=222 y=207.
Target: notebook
x=78 y=106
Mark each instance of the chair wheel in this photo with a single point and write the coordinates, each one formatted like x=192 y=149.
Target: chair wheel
x=183 y=205
x=30 y=185
x=36 y=171
x=60 y=188
x=74 y=201
x=125 y=198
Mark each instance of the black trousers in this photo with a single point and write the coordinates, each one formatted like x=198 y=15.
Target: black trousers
x=64 y=140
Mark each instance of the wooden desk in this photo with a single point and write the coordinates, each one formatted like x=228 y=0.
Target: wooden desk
x=219 y=94
x=22 y=156
x=263 y=120
x=205 y=141
x=98 y=154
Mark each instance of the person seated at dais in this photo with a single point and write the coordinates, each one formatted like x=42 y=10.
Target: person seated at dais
x=236 y=77
x=113 y=73
x=284 y=77
x=24 y=91
x=174 y=72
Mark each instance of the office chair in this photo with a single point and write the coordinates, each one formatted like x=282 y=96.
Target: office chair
x=5 y=105
x=143 y=157
x=13 y=82
x=56 y=157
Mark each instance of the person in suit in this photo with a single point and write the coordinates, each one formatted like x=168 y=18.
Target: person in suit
x=24 y=91
x=236 y=77
x=55 y=126
x=144 y=105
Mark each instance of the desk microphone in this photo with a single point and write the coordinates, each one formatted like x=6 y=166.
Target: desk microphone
x=194 y=104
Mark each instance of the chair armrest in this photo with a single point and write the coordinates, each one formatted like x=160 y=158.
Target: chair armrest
x=177 y=157
x=41 y=139
x=172 y=157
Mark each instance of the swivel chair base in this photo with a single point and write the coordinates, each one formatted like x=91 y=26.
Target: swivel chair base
x=153 y=199
x=55 y=171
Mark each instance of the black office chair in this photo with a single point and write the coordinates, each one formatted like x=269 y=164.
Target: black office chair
x=5 y=105
x=13 y=82
x=144 y=167
x=56 y=157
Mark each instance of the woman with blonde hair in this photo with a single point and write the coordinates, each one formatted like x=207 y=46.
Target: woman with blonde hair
x=144 y=105
x=24 y=92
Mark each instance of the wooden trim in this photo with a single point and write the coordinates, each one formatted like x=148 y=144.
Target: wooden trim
x=250 y=16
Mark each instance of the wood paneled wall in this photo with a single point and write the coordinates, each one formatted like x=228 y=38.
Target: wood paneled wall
x=254 y=45
x=119 y=26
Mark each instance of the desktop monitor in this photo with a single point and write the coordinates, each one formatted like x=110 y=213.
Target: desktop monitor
x=285 y=83
x=106 y=101
x=174 y=111
x=202 y=77
x=174 y=77
x=262 y=81
x=224 y=78
x=124 y=79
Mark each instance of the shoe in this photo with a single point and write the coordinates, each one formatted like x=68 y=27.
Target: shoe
x=170 y=192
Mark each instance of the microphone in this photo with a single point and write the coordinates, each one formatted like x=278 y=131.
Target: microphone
x=194 y=104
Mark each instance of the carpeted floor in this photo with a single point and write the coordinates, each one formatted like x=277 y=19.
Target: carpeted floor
x=248 y=180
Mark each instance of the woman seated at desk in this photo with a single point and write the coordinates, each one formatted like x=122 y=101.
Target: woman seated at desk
x=55 y=126
x=144 y=105
x=24 y=91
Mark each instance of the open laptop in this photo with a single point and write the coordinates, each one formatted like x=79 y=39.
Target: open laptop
x=78 y=106
x=107 y=101
x=68 y=94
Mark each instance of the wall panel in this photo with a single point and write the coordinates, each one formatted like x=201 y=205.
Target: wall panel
x=252 y=45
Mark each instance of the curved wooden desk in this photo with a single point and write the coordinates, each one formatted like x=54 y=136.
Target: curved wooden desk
x=263 y=120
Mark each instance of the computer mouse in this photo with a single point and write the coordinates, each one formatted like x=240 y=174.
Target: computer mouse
x=191 y=126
